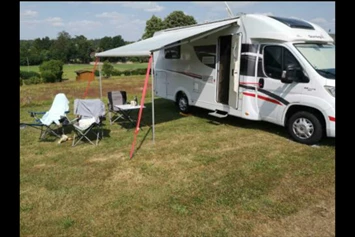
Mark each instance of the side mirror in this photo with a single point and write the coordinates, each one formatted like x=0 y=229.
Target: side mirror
x=292 y=73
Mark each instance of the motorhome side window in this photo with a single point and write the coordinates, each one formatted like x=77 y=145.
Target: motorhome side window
x=206 y=54
x=173 y=52
x=276 y=59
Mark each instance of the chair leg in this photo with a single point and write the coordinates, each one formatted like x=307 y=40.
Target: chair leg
x=97 y=138
x=79 y=139
x=42 y=135
x=81 y=135
x=88 y=140
x=114 y=117
x=45 y=130
x=99 y=134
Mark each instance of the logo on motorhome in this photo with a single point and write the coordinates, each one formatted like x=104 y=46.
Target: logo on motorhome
x=316 y=36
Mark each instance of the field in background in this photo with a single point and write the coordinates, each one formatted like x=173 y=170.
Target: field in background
x=203 y=176
x=69 y=69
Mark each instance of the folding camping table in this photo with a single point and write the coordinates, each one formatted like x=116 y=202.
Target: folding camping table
x=126 y=110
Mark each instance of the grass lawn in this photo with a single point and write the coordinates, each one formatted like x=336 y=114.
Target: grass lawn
x=203 y=176
x=69 y=69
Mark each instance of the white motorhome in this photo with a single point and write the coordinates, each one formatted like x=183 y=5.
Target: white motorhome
x=257 y=67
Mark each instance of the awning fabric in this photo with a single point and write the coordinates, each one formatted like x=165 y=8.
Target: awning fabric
x=164 y=38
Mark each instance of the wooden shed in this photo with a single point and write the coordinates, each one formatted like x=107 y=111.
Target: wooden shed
x=84 y=75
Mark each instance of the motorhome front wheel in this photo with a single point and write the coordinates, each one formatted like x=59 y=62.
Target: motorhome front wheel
x=305 y=127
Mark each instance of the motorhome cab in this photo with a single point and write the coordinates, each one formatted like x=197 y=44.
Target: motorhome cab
x=257 y=67
x=280 y=70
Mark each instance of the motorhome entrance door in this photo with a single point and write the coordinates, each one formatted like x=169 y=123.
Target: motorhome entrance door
x=235 y=67
x=224 y=72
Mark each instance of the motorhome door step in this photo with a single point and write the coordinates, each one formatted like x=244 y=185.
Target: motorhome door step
x=218 y=114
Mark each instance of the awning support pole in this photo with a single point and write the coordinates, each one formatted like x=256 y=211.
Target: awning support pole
x=153 y=109
x=100 y=78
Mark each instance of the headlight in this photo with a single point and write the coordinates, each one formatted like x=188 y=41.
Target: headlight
x=330 y=89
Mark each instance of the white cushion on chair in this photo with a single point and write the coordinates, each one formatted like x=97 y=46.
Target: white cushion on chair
x=85 y=123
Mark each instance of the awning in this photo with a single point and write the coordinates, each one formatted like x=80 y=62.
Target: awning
x=164 y=39
x=167 y=37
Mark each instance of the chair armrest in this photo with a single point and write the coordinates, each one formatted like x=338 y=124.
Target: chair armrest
x=33 y=113
x=76 y=119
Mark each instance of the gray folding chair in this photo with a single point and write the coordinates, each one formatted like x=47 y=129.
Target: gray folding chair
x=115 y=98
x=90 y=113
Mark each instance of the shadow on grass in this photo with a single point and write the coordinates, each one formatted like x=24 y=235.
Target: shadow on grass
x=92 y=137
x=69 y=131
x=165 y=111
x=106 y=132
x=45 y=135
x=248 y=124
x=142 y=141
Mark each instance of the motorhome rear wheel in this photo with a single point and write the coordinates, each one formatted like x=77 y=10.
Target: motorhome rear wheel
x=183 y=103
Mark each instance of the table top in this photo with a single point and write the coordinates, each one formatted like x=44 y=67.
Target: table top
x=128 y=107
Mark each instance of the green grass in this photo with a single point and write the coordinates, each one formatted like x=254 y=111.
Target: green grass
x=199 y=178
x=69 y=69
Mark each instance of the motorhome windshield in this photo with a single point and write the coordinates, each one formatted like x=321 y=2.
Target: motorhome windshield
x=321 y=57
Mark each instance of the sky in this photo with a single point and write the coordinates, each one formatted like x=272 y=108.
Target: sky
x=95 y=20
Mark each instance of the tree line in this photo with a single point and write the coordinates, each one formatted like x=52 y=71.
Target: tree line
x=79 y=49
x=66 y=48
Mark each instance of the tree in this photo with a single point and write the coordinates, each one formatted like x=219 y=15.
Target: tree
x=82 y=49
x=42 y=44
x=152 y=25
x=117 y=41
x=62 y=48
x=41 y=50
x=106 y=43
x=178 y=18
x=95 y=43
x=34 y=56
x=107 y=69
x=25 y=46
x=51 y=71
x=174 y=19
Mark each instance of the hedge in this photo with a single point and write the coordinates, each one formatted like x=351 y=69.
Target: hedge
x=33 y=80
x=26 y=75
x=137 y=71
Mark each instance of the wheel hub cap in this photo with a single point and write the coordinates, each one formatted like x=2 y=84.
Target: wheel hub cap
x=303 y=128
x=182 y=104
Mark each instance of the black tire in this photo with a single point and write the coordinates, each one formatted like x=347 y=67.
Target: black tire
x=183 y=103
x=304 y=127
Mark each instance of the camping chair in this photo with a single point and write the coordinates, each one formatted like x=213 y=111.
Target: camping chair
x=52 y=121
x=90 y=113
x=115 y=98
